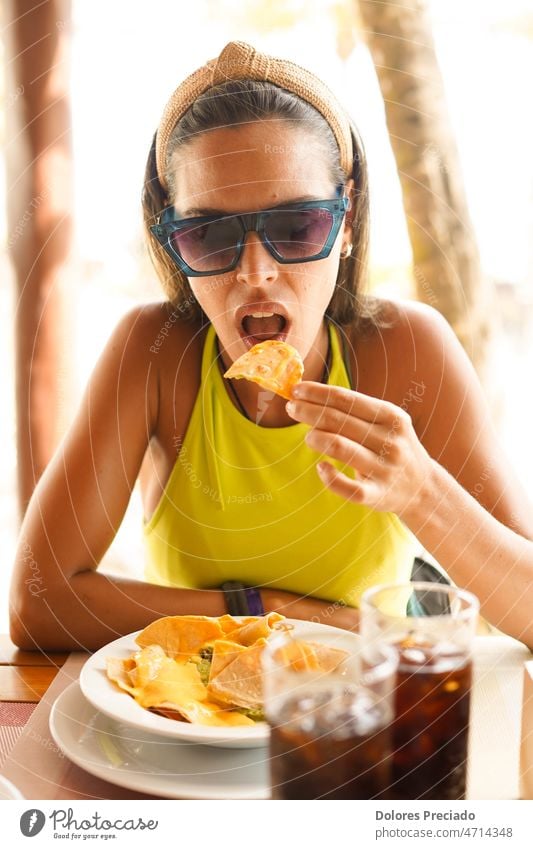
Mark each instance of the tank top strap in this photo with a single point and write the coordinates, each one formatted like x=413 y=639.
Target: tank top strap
x=209 y=353
x=340 y=372
x=347 y=359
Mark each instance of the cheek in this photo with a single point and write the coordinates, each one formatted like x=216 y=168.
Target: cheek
x=319 y=279
x=210 y=292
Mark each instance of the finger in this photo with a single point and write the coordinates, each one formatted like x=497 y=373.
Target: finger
x=334 y=421
x=344 y=450
x=341 y=484
x=348 y=401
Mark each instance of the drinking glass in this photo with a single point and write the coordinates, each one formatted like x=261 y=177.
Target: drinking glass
x=433 y=637
x=329 y=706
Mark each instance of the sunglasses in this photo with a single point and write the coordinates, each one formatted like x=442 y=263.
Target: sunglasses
x=296 y=232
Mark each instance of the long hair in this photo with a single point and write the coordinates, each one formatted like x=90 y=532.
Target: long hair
x=233 y=103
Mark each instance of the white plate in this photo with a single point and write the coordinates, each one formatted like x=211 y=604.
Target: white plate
x=106 y=696
x=150 y=764
x=8 y=790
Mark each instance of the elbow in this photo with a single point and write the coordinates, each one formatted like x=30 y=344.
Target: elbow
x=20 y=631
x=38 y=600
x=17 y=631
x=22 y=638
x=24 y=628
x=48 y=619
x=32 y=625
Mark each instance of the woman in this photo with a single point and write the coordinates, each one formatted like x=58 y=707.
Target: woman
x=304 y=503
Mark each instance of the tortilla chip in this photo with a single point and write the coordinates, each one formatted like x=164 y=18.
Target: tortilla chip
x=329 y=658
x=299 y=656
x=310 y=657
x=272 y=364
x=240 y=681
x=211 y=713
x=171 y=689
x=157 y=679
x=119 y=671
x=169 y=714
x=181 y=636
x=228 y=623
x=258 y=627
x=224 y=652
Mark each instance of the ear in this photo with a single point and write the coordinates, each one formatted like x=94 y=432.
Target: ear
x=349 y=192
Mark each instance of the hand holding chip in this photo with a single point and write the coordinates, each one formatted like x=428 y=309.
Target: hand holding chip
x=374 y=437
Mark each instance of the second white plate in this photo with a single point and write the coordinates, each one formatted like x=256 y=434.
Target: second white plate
x=151 y=764
x=8 y=790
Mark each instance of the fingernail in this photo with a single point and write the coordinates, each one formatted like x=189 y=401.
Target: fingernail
x=296 y=392
x=290 y=407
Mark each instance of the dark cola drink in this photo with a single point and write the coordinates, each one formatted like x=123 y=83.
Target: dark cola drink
x=331 y=745
x=430 y=731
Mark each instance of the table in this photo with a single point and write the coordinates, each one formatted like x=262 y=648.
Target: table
x=25 y=675
x=30 y=683
x=24 y=679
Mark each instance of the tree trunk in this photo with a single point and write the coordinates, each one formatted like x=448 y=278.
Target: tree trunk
x=446 y=263
x=39 y=189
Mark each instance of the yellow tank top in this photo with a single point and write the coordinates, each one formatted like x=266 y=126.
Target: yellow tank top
x=245 y=502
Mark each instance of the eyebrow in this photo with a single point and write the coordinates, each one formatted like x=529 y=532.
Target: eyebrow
x=205 y=212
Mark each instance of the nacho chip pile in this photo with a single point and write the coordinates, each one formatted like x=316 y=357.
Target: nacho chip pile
x=207 y=670
x=199 y=669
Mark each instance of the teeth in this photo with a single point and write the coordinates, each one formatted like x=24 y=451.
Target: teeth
x=262 y=314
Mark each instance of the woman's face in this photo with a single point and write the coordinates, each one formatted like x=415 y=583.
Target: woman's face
x=246 y=169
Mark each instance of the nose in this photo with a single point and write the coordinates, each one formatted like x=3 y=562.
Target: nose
x=256 y=265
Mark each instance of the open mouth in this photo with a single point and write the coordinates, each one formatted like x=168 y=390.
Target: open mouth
x=256 y=325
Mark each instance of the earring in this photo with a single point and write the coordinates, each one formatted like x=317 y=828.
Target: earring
x=347 y=251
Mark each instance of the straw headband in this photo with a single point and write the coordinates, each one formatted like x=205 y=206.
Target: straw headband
x=239 y=61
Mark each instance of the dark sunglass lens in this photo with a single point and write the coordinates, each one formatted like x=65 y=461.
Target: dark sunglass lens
x=299 y=234
x=208 y=246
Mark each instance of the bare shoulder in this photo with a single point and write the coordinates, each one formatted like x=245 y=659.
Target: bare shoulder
x=403 y=345
x=409 y=326
x=156 y=355
x=155 y=335
x=424 y=347
x=156 y=327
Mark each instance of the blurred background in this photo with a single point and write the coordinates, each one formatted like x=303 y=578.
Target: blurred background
x=440 y=93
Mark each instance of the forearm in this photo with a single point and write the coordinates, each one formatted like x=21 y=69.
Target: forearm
x=92 y=609
x=315 y=610
x=479 y=552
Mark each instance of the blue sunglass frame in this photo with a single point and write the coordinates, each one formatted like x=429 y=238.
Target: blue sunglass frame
x=168 y=224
